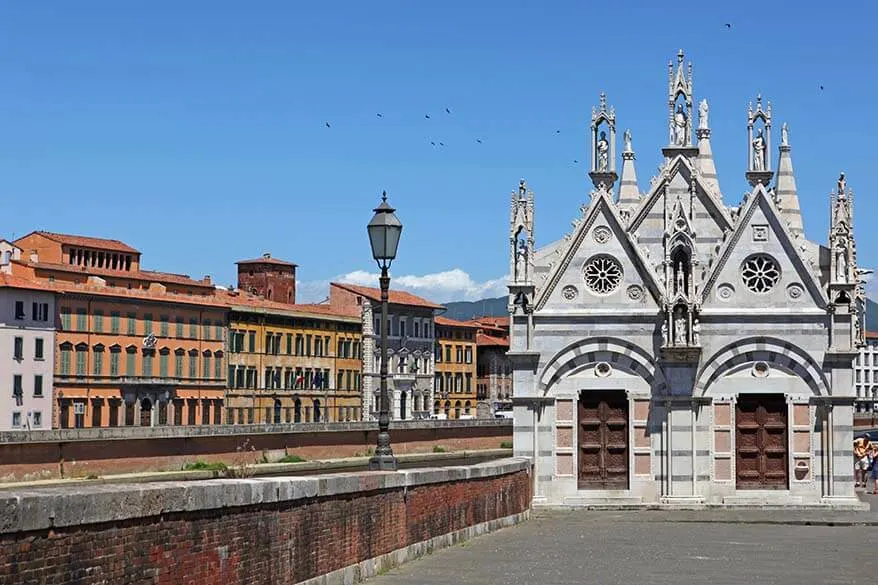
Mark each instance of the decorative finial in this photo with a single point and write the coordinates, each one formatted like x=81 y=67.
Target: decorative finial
x=680 y=56
x=784 y=135
x=842 y=184
x=384 y=196
x=603 y=102
x=522 y=187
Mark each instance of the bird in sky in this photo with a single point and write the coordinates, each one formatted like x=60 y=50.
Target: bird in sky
x=576 y=162
x=327 y=125
x=433 y=143
x=728 y=25
x=427 y=116
x=441 y=144
x=447 y=111
x=479 y=140
x=557 y=132
x=821 y=88
x=379 y=115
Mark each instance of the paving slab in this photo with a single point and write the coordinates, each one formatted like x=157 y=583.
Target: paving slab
x=649 y=548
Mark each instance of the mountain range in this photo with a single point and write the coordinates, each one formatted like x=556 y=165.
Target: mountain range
x=465 y=310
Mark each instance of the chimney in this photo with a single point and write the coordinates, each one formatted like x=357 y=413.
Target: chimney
x=34 y=257
x=206 y=279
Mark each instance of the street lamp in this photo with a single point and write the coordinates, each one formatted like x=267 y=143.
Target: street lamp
x=384 y=231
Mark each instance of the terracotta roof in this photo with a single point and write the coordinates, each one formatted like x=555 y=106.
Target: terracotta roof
x=145 y=275
x=87 y=242
x=397 y=297
x=12 y=281
x=123 y=293
x=493 y=321
x=243 y=301
x=482 y=339
x=446 y=322
x=266 y=259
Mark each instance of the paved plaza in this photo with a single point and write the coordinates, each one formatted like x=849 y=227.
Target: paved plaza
x=657 y=548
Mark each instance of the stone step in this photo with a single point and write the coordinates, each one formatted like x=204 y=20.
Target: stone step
x=763 y=498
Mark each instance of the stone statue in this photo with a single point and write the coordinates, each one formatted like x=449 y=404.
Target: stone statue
x=664 y=332
x=626 y=137
x=759 y=152
x=679 y=283
x=680 y=329
x=696 y=332
x=521 y=261
x=603 y=148
x=679 y=126
x=841 y=262
x=842 y=184
x=784 y=135
x=702 y=115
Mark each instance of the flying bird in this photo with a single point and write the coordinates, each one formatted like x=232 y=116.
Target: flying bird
x=479 y=140
x=447 y=111
x=379 y=115
x=557 y=132
x=427 y=116
x=728 y=25
x=576 y=162
x=327 y=125
x=433 y=143
x=441 y=144
x=821 y=88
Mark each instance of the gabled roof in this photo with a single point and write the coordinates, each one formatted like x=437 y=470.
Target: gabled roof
x=267 y=259
x=446 y=322
x=490 y=340
x=601 y=201
x=13 y=281
x=396 y=297
x=86 y=242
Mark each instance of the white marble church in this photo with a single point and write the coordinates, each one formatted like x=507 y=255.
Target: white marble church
x=679 y=347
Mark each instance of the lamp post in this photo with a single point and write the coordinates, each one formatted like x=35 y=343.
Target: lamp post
x=384 y=231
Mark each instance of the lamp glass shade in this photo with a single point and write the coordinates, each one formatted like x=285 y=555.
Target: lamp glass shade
x=384 y=231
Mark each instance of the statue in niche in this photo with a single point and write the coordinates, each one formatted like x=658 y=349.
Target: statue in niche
x=841 y=263
x=679 y=126
x=626 y=137
x=603 y=148
x=702 y=115
x=696 y=332
x=842 y=184
x=680 y=328
x=664 y=332
x=784 y=135
x=678 y=288
x=759 y=152
x=521 y=261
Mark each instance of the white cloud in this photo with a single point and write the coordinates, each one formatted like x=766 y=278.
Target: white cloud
x=441 y=287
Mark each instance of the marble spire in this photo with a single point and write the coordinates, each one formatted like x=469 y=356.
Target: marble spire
x=705 y=163
x=629 y=194
x=785 y=188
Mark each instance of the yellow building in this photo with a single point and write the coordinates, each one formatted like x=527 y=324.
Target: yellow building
x=455 y=373
x=292 y=363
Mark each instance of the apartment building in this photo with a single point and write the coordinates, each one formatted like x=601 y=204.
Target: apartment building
x=455 y=374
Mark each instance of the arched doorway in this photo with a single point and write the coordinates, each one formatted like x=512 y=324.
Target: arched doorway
x=467 y=406
x=457 y=409
x=297 y=411
x=146 y=412
x=277 y=411
x=316 y=410
x=436 y=407
x=402 y=405
x=447 y=409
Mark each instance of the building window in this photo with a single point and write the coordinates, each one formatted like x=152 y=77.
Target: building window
x=163 y=325
x=205 y=365
x=252 y=341
x=114 y=322
x=40 y=311
x=99 y=321
x=178 y=364
x=18 y=348
x=218 y=366
x=132 y=323
x=193 y=365
x=37 y=418
x=17 y=389
x=300 y=345
x=307 y=345
x=16 y=419
x=65 y=360
x=179 y=327
x=114 y=360
x=98 y=360
x=38 y=386
x=163 y=364
x=130 y=360
x=447 y=353
x=205 y=329
x=469 y=383
x=148 y=355
x=81 y=358
x=193 y=328
x=468 y=355
x=19 y=313
x=147 y=323
x=81 y=320
x=65 y=318
x=218 y=332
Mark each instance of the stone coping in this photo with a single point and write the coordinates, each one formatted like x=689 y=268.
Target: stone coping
x=44 y=508
x=182 y=432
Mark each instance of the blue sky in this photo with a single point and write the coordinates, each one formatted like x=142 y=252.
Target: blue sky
x=195 y=130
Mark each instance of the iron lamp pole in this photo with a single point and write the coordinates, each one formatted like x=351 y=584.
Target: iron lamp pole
x=384 y=231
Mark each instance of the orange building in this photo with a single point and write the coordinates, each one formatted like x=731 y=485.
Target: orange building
x=133 y=347
x=494 y=369
x=454 y=385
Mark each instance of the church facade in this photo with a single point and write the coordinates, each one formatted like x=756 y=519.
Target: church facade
x=678 y=348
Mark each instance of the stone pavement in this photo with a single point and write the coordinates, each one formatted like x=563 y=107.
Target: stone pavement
x=655 y=548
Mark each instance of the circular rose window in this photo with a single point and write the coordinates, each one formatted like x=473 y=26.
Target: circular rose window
x=760 y=273
x=602 y=274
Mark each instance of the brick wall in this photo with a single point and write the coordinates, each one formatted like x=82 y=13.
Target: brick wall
x=277 y=530
x=78 y=453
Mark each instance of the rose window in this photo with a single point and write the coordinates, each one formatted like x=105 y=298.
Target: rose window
x=760 y=273
x=602 y=274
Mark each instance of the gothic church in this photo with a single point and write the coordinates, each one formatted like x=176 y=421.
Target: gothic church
x=677 y=348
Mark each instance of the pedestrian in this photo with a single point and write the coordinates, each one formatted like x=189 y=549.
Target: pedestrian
x=862 y=448
x=874 y=468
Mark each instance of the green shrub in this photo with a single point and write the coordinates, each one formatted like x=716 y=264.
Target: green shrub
x=205 y=466
x=506 y=444
x=291 y=459
x=438 y=449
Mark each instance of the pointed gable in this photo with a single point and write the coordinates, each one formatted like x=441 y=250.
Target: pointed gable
x=759 y=265
x=601 y=247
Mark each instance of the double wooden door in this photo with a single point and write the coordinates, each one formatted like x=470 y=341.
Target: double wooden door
x=761 y=441
x=603 y=440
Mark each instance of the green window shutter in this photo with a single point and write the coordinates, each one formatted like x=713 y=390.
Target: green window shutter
x=81 y=320
x=218 y=334
x=114 y=363
x=193 y=366
x=163 y=365
x=129 y=364
x=65 y=318
x=178 y=365
x=193 y=328
x=98 y=358
x=218 y=367
x=132 y=324
x=163 y=327
x=205 y=329
x=99 y=321
x=114 y=322
x=179 y=326
x=65 y=361
x=81 y=356
x=206 y=366
x=147 y=324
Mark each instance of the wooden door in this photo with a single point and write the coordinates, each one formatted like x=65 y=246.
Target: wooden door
x=761 y=441
x=603 y=440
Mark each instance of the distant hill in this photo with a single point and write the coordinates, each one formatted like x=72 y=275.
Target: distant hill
x=464 y=310
x=871 y=315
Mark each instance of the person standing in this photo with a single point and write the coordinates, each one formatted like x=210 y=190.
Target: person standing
x=862 y=447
